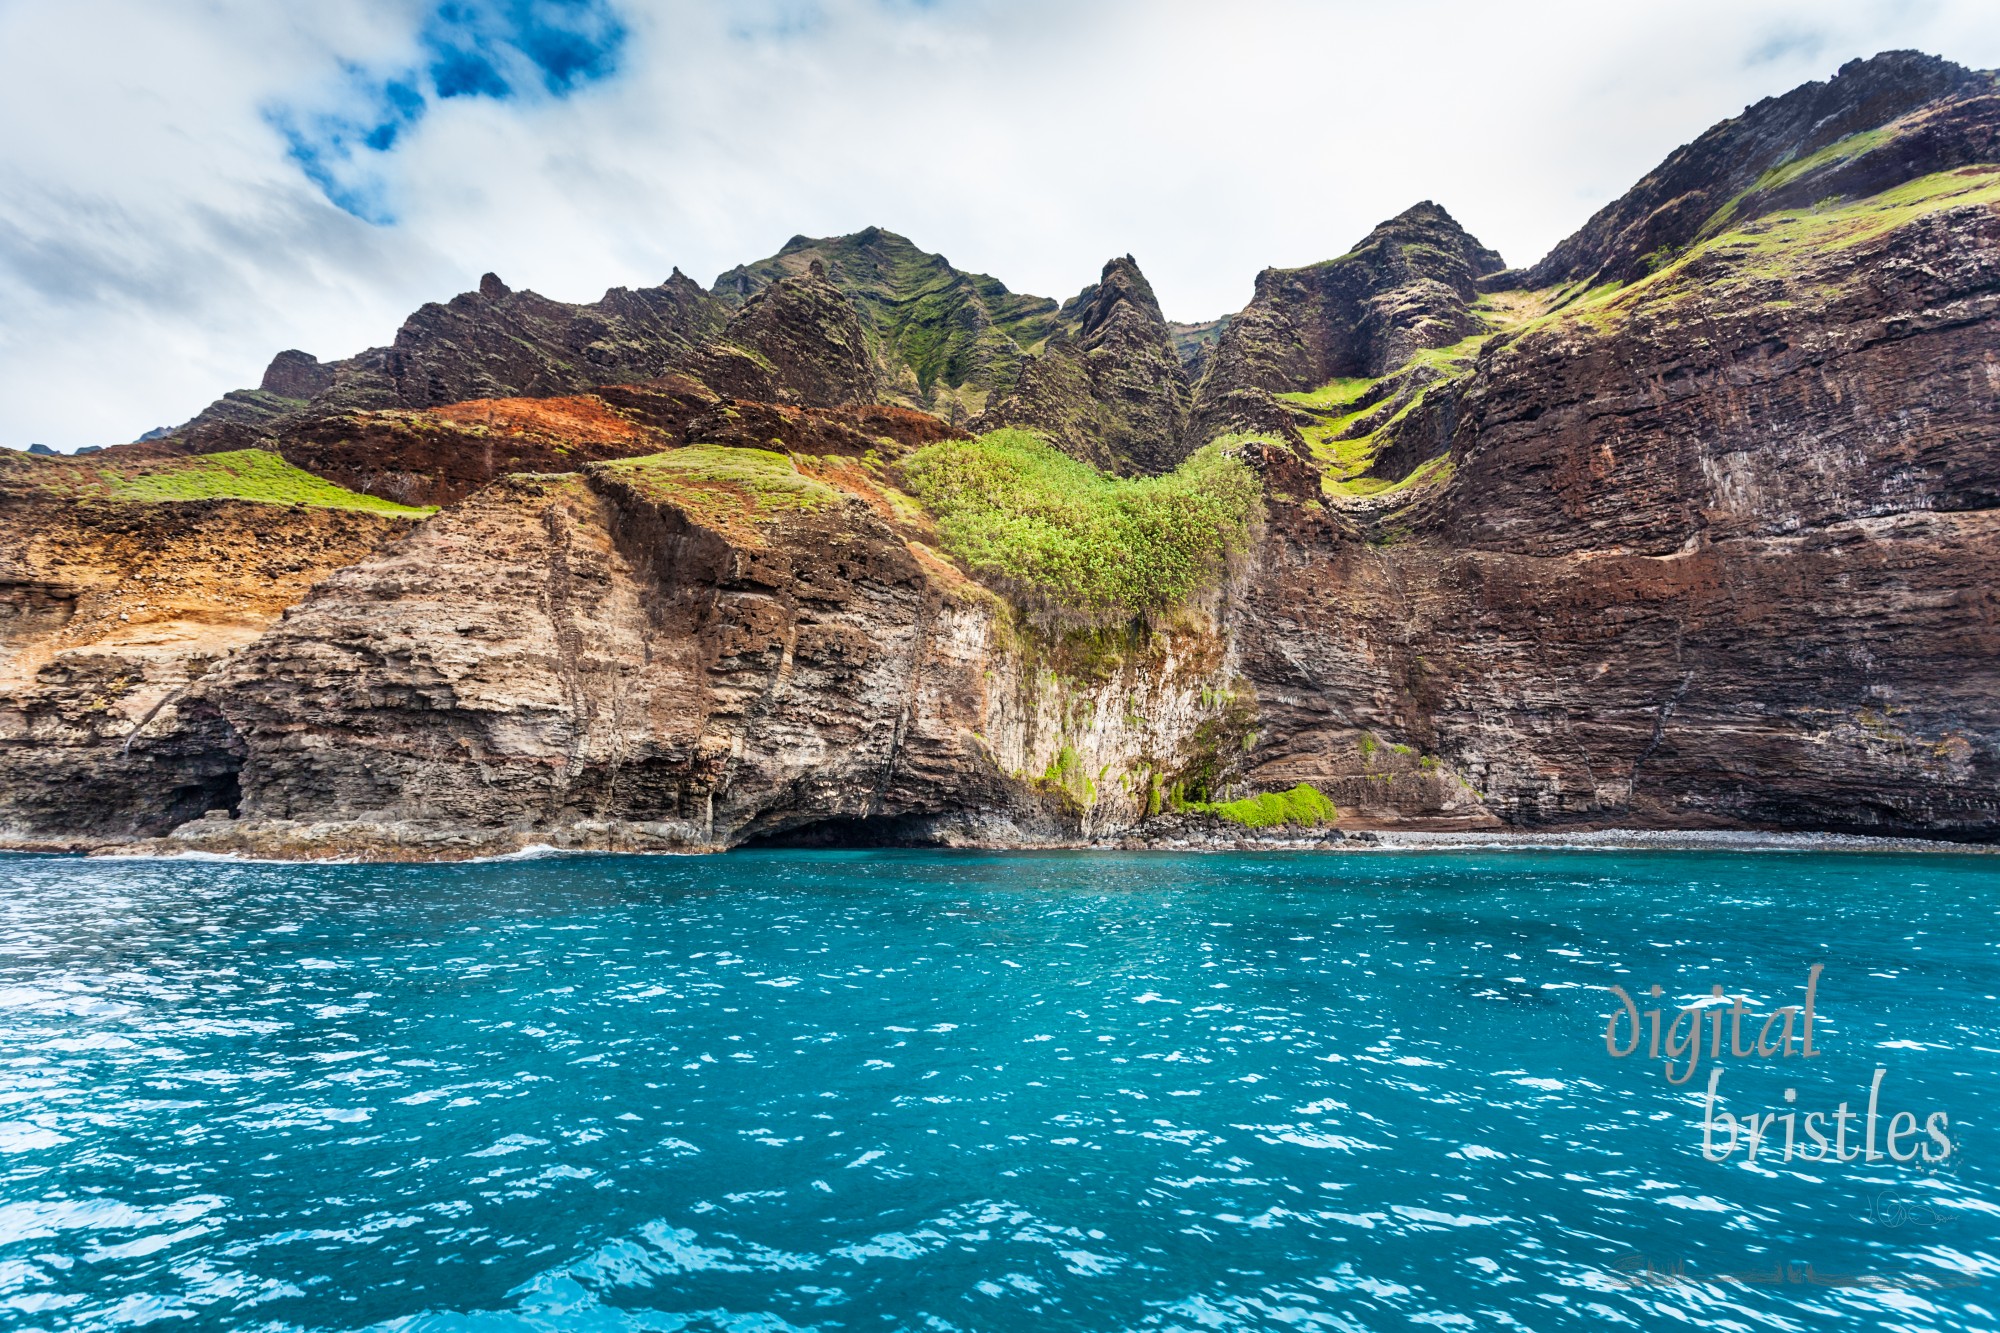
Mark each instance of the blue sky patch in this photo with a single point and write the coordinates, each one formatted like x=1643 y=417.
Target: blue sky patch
x=508 y=50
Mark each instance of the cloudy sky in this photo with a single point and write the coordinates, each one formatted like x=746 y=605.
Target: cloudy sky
x=187 y=186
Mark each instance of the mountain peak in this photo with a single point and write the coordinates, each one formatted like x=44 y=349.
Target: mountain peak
x=1427 y=223
x=1669 y=207
x=1109 y=388
x=1120 y=285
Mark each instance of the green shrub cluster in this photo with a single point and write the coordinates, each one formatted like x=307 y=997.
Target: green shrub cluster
x=1012 y=506
x=1302 y=805
x=762 y=479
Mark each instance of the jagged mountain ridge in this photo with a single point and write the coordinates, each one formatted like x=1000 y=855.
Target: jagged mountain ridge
x=1668 y=208
x=957 y=343
x=1104 y=375
x=944 y=340
x=1109 y=386
x=490 y=343
x=1711 y=545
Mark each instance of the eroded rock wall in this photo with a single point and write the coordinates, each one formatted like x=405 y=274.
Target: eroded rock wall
x=110 y=614
x=568 y=660
x=1720 y=556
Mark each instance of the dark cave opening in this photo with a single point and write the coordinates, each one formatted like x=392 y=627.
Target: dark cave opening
x=853 y=832
x=191 y=800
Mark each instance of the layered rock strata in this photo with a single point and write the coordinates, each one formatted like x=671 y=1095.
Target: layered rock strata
x=625 y=660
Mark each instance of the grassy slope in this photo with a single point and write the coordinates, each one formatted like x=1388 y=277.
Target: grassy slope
x=733 y=490
x=1777 y=250
x=1011 y=506
x=242 y=474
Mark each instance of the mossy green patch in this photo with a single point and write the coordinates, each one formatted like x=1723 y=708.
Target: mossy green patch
x=244 y=474
x=1778 y=244
x=723 y=486
x=1334 y=394
x=1013 y=507
x=1303 y=806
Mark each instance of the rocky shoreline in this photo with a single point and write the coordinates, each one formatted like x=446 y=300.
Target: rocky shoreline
x=1171 y=835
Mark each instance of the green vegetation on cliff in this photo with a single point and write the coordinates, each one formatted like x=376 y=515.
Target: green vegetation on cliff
x=1356 y=419
x=1790 y=254
x=244 y=474
x=1303 y=806
x=1837 y=153
x=722 y=486
x=1783 y=242
x=1013 y=507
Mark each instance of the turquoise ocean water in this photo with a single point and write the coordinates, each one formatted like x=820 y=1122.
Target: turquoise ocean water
x=912 y=1090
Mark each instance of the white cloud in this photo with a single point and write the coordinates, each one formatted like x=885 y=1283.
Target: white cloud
x=157 y=244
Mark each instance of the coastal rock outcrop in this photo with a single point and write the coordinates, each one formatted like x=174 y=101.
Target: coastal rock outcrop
x=682 y=653
x=111 y=613
x=1694 y=525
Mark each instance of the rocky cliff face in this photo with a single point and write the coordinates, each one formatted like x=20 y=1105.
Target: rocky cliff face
x=1409 y=285
x=686 y=652
x=1693 y=525
x=1708 y=548
x=1109 y=386
x=111 y=613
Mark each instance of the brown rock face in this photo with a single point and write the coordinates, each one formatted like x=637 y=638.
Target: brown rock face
x=110 y=613
x=499 y=343
x=442 y=455
x=1722 y=556
x=589 y=660
x=1109 y=387
x=296 y=374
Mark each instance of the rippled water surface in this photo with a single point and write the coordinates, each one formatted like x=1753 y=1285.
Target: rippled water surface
x=901 y=1090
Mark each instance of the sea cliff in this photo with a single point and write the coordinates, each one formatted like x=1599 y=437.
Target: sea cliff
x=1690 y=525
